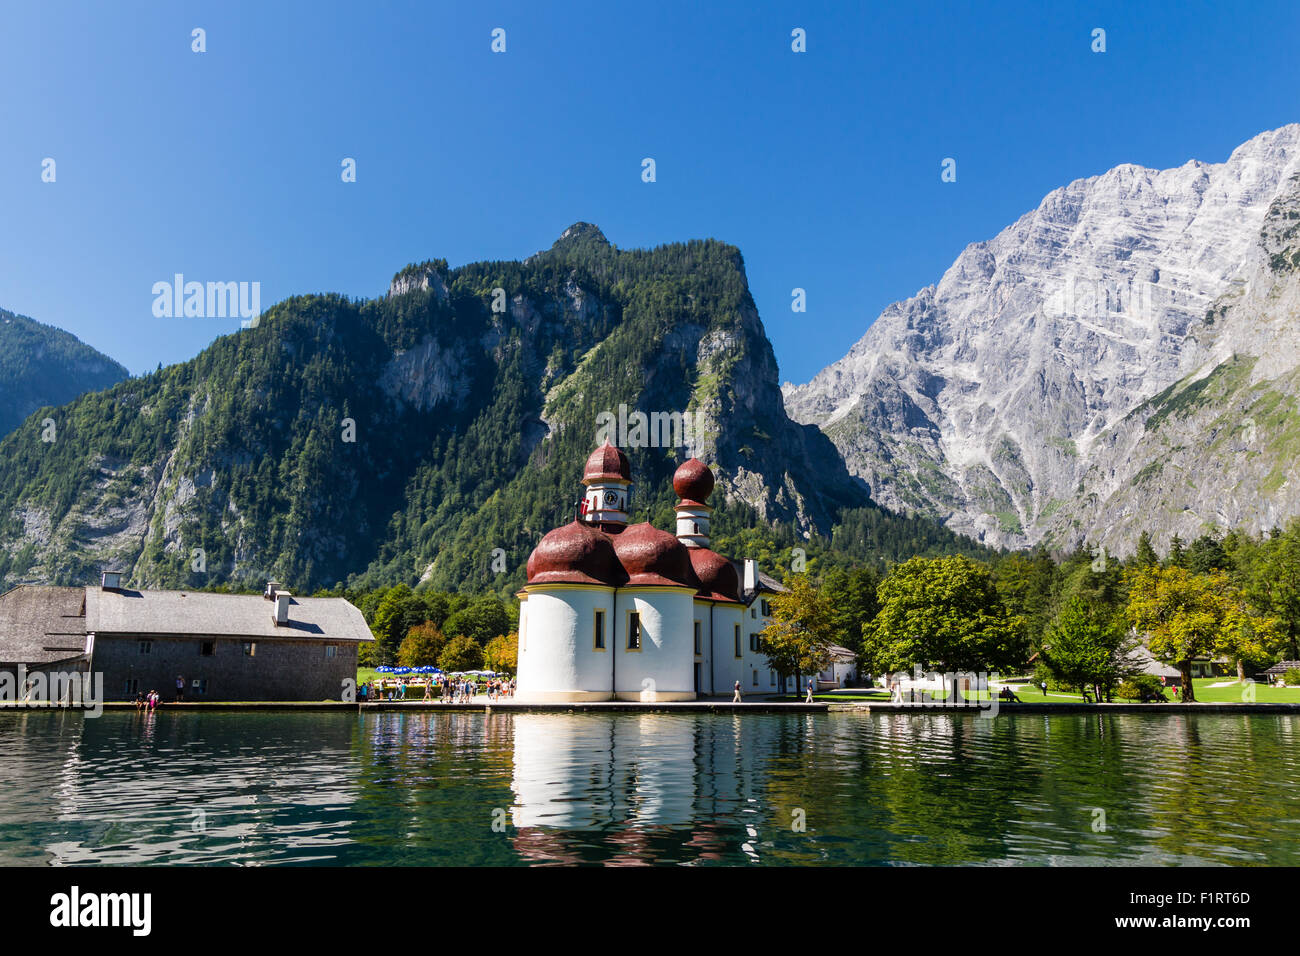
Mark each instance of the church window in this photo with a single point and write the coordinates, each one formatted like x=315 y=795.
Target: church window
x=598 y=628
x=633 y=631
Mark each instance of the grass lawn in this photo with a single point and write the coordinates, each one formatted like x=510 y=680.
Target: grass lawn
x=1030 y=694
x=1264 y=694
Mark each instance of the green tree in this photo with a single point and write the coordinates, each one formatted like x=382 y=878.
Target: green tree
x=393 y=618
x=1177 y=553
x=461 y=654
x=484 y=619
x=1088 y=646
x=1206 y=554
x=1026 y=584
x=1273 y=585
x=798 y=638
x=943 y=614
x=851 y=599
x=422 y=646
x=1146 y=555
x=502 y=653
x=1188 y=616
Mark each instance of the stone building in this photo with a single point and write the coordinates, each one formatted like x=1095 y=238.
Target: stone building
x=225 y=647
x=43 y=629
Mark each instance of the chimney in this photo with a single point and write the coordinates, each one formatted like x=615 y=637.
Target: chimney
x=751 y=574
x=271 y=588
x=282 y=599
x=111 y=581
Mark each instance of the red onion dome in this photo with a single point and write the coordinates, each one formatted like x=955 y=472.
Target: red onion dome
x=575 y=554
x=607 y=463
x=693 y=481
x=717 y=575
x=653 y=557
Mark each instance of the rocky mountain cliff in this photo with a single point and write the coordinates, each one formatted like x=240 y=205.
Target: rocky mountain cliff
x=1121 y=358
x=409 y=437
x=41 y=365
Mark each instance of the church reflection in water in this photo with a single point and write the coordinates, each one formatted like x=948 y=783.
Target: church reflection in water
x=636 y=789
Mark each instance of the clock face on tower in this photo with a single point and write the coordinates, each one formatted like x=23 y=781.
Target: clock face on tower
x=611 y=499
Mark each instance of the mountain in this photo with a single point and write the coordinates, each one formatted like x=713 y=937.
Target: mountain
x=41 y=365
x=1122 y=358
x=409 y=437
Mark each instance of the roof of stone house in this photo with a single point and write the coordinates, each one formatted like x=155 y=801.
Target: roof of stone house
x=1281 y=667
x=128 y=611
x=841 y=654
x=1149 y=665
x=41 y=625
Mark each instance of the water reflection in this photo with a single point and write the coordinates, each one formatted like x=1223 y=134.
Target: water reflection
x=633 y=789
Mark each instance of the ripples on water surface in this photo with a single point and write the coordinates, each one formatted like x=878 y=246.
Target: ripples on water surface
x=461 y=788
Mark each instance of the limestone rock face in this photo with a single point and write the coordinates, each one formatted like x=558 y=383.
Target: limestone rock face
x=421 y=277
x=1015 y=399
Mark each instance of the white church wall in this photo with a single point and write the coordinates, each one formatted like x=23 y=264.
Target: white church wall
x=557 y=656
x=662 y=668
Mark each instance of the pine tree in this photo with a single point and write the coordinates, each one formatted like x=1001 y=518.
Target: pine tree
x=1146 y=556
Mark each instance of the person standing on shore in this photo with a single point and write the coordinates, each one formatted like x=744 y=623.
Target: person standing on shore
x=808 y=699
x=736 y=697
x=180 y=687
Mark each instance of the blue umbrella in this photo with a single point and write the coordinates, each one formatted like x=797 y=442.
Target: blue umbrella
x=383 y=669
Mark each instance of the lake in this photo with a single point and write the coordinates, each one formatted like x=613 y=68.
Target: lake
x=258 y=788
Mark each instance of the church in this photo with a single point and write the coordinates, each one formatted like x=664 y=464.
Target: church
x=613 y=611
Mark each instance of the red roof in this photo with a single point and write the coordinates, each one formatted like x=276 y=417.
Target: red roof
x=639 y=555
x=606 y=463
x=576 y=553
x=653 y=557
x=693 y=481
x=717 y=575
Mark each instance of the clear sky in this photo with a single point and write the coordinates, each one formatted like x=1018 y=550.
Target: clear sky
x=823 y=167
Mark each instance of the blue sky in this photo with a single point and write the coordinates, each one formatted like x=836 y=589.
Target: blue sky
x=823 y=167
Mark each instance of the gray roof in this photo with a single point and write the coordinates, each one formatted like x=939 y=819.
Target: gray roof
x=41 y=625
x=765 y=583
x=841 y=654
x=1148 y=664
x=1281 y=667
x=165 y=613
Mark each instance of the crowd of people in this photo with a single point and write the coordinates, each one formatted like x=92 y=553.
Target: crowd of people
x=448 y=689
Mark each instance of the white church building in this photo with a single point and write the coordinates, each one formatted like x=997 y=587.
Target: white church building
x=613 y=611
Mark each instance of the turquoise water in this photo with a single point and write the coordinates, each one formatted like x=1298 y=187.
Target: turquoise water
x=502 y=789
